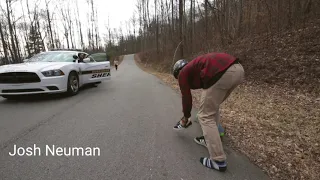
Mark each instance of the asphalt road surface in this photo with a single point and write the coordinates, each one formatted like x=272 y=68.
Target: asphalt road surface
x=130 y=118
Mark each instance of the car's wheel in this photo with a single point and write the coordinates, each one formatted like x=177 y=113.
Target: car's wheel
x=73 y=84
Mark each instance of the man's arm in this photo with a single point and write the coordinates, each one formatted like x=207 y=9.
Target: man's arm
x=186 y=94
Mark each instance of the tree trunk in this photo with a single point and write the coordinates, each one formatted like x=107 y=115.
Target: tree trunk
x=96 y=29
x=181 y=5
x=4 y=45
x=70 y=32
x=240 y=18
x=25 y=31
x=80 y=28
x=49 y=24
x=206 y=21
x=15 y=56
x=172 y=18
x=17 y=43
x=92 y=25
x=191 y=26
x=157 y=26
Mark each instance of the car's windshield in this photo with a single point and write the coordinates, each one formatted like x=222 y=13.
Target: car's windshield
x=53 y=57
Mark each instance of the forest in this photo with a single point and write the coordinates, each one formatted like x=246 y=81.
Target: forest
x=277 y=41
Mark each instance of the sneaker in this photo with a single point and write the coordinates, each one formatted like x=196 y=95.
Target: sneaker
x=217 y=165
x=201 y=141
x=179 y=126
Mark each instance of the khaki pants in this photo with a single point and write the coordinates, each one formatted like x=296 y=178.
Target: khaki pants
x=208 y=114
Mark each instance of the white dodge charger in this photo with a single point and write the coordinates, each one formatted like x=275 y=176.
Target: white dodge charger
x=52 y=72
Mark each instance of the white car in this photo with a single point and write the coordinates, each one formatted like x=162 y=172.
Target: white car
x=52 y=72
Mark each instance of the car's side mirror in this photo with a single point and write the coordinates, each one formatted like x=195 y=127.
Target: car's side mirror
x=75 y=57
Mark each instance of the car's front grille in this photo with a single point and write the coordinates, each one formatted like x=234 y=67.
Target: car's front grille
x=18 y=77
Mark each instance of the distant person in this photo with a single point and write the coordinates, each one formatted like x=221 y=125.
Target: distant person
x=218 y=74
x=116 y=64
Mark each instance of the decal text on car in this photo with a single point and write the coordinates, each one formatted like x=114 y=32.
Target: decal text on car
x=97 y=75
x=101 y=71
x=95 y=71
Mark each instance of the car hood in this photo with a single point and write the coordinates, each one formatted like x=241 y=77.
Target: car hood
x=32 y=66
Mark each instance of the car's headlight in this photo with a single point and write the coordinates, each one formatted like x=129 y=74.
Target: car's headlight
x=56 y=72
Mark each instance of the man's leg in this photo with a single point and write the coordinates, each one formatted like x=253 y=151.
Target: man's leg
x=209 y=108
x=201 y=140
x=209 y=111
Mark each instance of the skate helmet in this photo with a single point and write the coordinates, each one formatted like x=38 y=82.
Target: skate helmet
x=178 y=66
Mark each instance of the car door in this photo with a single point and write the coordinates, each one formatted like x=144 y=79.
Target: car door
x=92 y=71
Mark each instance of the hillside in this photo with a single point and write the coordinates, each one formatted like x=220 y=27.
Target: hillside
x=290 y=59
x=273 y=117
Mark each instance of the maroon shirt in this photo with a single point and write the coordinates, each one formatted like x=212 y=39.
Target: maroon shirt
x=201 y=73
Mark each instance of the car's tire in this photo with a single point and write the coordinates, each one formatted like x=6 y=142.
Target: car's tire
x=73 y=84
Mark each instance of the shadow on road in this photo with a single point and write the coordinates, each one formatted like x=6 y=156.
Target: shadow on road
x=41 y=97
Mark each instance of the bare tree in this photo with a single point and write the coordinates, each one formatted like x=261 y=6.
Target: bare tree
x=49 y=22
x=156 y=26
x=79 y=26
x=4 y=44
x=181 y=6
x=65 y=26
x=11 y=30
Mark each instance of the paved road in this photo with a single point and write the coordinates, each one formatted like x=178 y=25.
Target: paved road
x=129 y=118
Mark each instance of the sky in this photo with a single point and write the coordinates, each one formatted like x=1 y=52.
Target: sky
x=112 y=12
x=117 y=10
